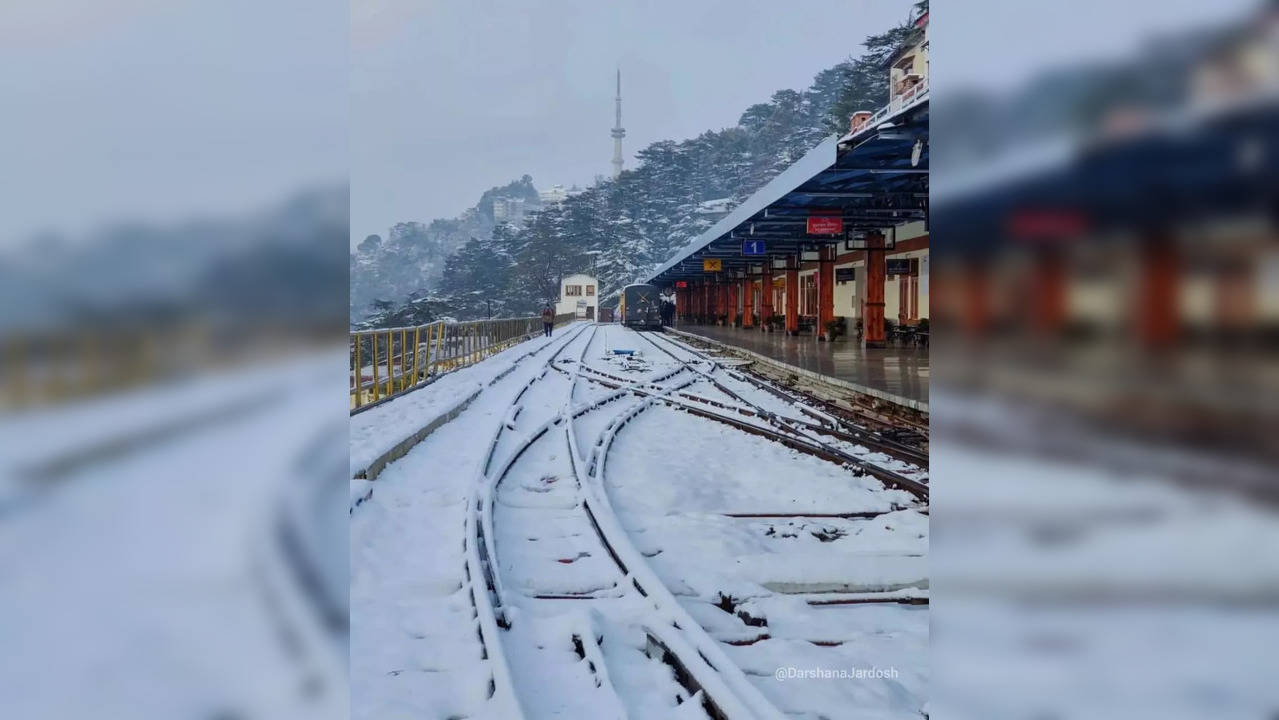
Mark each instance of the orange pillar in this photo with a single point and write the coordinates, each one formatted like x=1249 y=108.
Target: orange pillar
x=792 y=297
x=731 y=289
x=873 y=311
x=826 y=290
x=1048 y=291
x=748 y=303
x=766 y=295
x=976 y=310
x=1157 y=322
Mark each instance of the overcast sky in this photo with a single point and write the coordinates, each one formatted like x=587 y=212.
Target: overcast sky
x=451 y=98
x=164 y=109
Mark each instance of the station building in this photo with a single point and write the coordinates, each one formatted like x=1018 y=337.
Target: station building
x=579 y=295
x=829 y=262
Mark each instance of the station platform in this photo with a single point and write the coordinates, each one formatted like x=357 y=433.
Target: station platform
x=899 y=374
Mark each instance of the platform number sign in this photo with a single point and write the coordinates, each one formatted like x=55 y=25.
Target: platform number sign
x=753 y=247
x=712 y=265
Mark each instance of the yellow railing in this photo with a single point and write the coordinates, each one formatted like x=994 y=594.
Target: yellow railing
x=54 y=365
x=387 y=362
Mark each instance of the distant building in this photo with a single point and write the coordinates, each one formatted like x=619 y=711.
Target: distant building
x=717 y=208
x=1242 y=62
x=508 y=209
x=579 y=294
x=909 y=65
x=557 y=194
x=907 y=76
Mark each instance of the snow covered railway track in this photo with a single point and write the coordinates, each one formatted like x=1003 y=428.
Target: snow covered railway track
x=796 y=433
x=425 y=637
x=536 y=552
x=903 y=437
x=571 y=611
x=848 y=609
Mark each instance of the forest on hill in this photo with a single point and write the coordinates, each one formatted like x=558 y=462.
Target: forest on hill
x=619 y=229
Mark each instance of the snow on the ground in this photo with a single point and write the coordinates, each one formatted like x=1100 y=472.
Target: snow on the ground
x=1076 y=590
x=671 y=476
x=731 y=472
x=676 y=515
x=96 y=428
x=414 y=643
x=149 y=583
x=1079 y=531
x=378 y=429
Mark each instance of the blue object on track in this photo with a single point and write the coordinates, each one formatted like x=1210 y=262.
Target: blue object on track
x=623 y=352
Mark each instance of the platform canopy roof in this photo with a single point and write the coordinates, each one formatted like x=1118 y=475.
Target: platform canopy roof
x=874 y=179
x=1191 y=166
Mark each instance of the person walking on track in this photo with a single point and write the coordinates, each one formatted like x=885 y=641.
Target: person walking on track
x=548 y=320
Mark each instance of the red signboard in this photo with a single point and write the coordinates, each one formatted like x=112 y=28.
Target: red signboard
x=1046 y=224
x=820 y=225
x=681 y=283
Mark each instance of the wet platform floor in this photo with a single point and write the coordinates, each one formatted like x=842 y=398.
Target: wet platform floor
x=899 y=371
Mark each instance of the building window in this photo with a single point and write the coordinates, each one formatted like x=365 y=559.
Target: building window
x=590 y=290
x=572 y=290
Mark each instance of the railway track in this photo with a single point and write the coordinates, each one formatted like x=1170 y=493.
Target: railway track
x=902 y=426
x=571 y=613
x=792 y=428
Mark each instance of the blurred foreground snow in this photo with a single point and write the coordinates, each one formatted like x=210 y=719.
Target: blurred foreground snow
x=200 y=573
x=194 y=573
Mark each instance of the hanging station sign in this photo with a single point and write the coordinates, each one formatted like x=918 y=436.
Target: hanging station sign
x=712 y=265
x=825 y=225
x=898 y=266
x=681 y=283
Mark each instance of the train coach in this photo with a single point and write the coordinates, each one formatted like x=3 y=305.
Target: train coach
x=641 y=307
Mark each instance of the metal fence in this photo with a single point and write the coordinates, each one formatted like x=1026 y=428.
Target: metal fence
x=387 y=362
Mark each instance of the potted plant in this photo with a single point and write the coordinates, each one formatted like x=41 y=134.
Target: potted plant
x=723 y=319
x=836 y=328
x=776 y=322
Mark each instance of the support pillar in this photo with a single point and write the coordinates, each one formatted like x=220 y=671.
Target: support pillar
x=976 y=317
x=826 y=291
x=1048 y=291
x=748 y=303
x=792 y=296
x=1158 y=326
x=873 y=310
x=766 y=295
x=731 y=289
